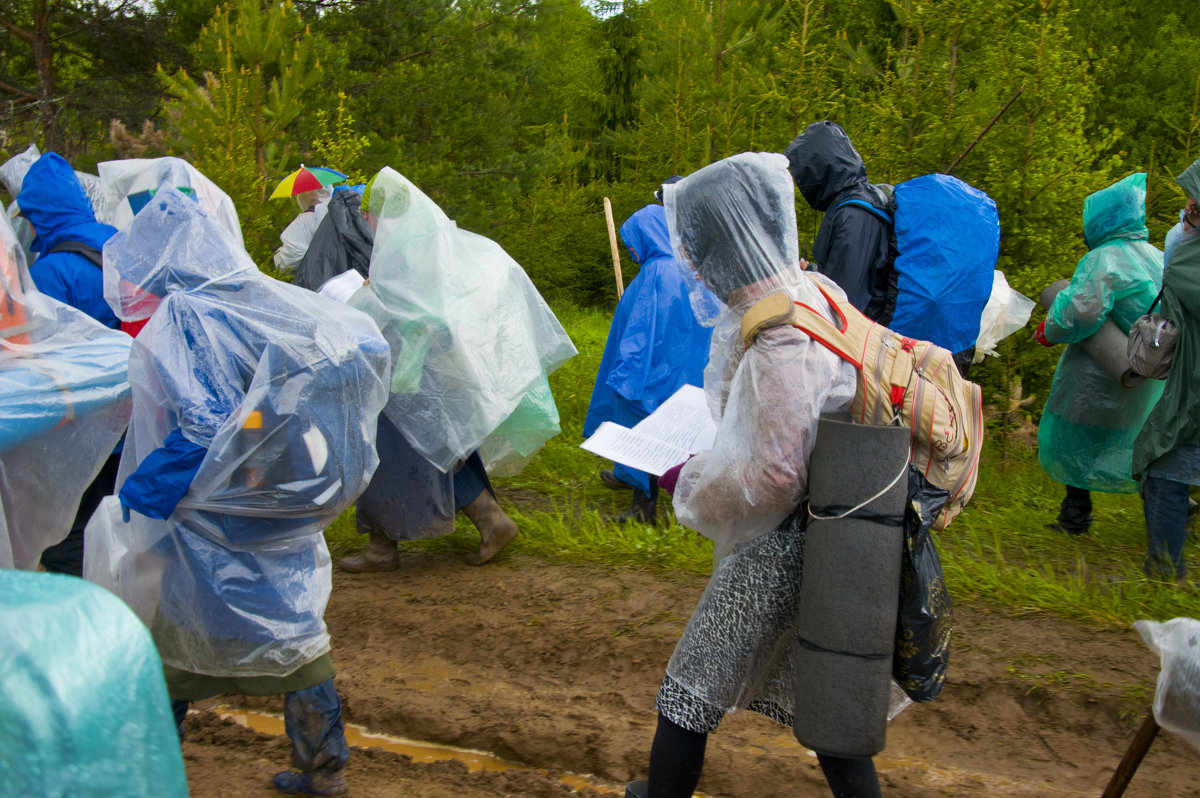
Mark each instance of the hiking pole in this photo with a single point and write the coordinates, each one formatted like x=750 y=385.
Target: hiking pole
x=1133 y=757
x=950 y=169
x=612 y=243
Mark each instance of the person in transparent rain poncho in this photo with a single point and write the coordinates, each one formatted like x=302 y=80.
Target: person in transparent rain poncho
x=64 y=404
x=1086 y=435
x=734 y=223
x=129 y=184
x=472 y=344
x=252 y=429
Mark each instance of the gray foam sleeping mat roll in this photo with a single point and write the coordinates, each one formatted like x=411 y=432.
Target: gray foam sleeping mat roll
x=850 y=589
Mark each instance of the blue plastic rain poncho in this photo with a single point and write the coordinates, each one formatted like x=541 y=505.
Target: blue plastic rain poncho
x=472 y=340
x=130 y=183
x=64 y=403
x=267 y=393
x=655 y=345
x=1086 y=435
x=54 y=202
x=83 y=708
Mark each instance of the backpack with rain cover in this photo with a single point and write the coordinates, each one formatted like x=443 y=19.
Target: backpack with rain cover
x=947 y=238
x=900 y=381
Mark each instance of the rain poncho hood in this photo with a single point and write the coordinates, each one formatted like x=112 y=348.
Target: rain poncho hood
x=64 y=403
x=129 y=183
x=655 y=344
x=1086 y=435
x=825 y=164
x=280 y=389
x=472 y=340
x=1175 y=420
x=55 y=203
x=735 y=223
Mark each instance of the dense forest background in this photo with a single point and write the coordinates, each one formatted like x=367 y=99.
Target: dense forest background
x=519 y=116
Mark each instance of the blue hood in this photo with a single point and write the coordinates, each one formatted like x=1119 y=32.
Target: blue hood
x=645 y=234
x=55 y=203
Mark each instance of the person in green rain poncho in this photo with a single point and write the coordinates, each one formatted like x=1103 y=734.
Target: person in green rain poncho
x=1166 y=454
x=1085 y=439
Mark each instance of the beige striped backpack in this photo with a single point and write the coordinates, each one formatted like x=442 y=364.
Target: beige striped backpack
x=900 y=381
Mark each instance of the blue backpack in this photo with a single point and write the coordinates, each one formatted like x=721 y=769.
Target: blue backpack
x=947 y=241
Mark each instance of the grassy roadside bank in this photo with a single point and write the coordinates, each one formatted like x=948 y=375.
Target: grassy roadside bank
x=998 y=552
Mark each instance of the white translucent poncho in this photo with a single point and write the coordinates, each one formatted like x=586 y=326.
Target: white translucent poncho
x=129 y=183
x=64 y=403
x=283 y=388
x=472 y=340
x=734 y=223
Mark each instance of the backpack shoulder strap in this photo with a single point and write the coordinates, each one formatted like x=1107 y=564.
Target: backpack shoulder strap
x=79 y=248
x=847 y=338
x=858 y=203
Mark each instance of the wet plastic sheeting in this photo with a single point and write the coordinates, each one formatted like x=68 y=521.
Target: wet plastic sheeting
x=1177 y=698
x=848 y=599
x=83 y=707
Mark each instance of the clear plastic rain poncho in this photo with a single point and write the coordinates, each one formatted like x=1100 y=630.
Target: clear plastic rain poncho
x=129 y=184
x=1086 y=435
x=280 y=389
x=64 y=403
x=83 y=709
x=472 y=340
x=734 y=223
x=1177 y=696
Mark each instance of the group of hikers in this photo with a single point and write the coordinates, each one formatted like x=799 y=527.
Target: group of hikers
x=224 y=418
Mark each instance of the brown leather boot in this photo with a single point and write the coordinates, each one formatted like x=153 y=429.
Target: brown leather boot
x=496 y=529
x=379 y=555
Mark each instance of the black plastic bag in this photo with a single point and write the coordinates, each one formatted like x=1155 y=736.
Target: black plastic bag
x=925 y=619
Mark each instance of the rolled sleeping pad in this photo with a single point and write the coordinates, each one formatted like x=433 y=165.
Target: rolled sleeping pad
x=850 y=591
x=1108 y=345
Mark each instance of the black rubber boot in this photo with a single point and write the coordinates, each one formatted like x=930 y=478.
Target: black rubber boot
x=644 y=509
x=638 y=789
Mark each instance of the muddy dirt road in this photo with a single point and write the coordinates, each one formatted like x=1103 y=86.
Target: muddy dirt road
x=555 y=667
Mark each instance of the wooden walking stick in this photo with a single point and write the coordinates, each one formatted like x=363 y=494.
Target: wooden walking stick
x=612 y=243
x=1133 y=757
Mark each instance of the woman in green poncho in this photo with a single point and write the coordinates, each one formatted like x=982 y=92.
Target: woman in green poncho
x=1167 y=451
x=1086 y=435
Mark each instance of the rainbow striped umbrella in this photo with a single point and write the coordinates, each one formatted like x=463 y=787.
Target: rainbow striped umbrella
x=306 y=178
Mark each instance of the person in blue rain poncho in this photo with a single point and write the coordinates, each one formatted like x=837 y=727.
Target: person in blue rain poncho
x=65 y=225
x=252 y=428
x=1085 y=438
x=655 y=346
x=68 y=239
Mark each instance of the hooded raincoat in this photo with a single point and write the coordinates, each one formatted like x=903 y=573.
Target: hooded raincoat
x=734 y=222
x=655 y=345
x=253 y=426
x=64 y=404
x=1086 y=435
x=472 y=340
x=55 y=203
x=1168 y=445
x=129 y=184
x=854 y=246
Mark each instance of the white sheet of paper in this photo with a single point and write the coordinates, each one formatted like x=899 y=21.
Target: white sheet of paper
x=681 y=426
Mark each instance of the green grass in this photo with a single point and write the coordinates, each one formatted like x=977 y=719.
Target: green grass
x=997 y=552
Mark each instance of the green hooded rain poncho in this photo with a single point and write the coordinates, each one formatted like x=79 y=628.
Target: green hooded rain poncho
x=1090 y=421
x=1174 y=424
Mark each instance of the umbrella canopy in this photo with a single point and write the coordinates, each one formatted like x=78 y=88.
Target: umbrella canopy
x=306 y=178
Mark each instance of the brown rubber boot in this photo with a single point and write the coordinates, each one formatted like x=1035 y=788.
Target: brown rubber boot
x=496 y=529
x=379 y=555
